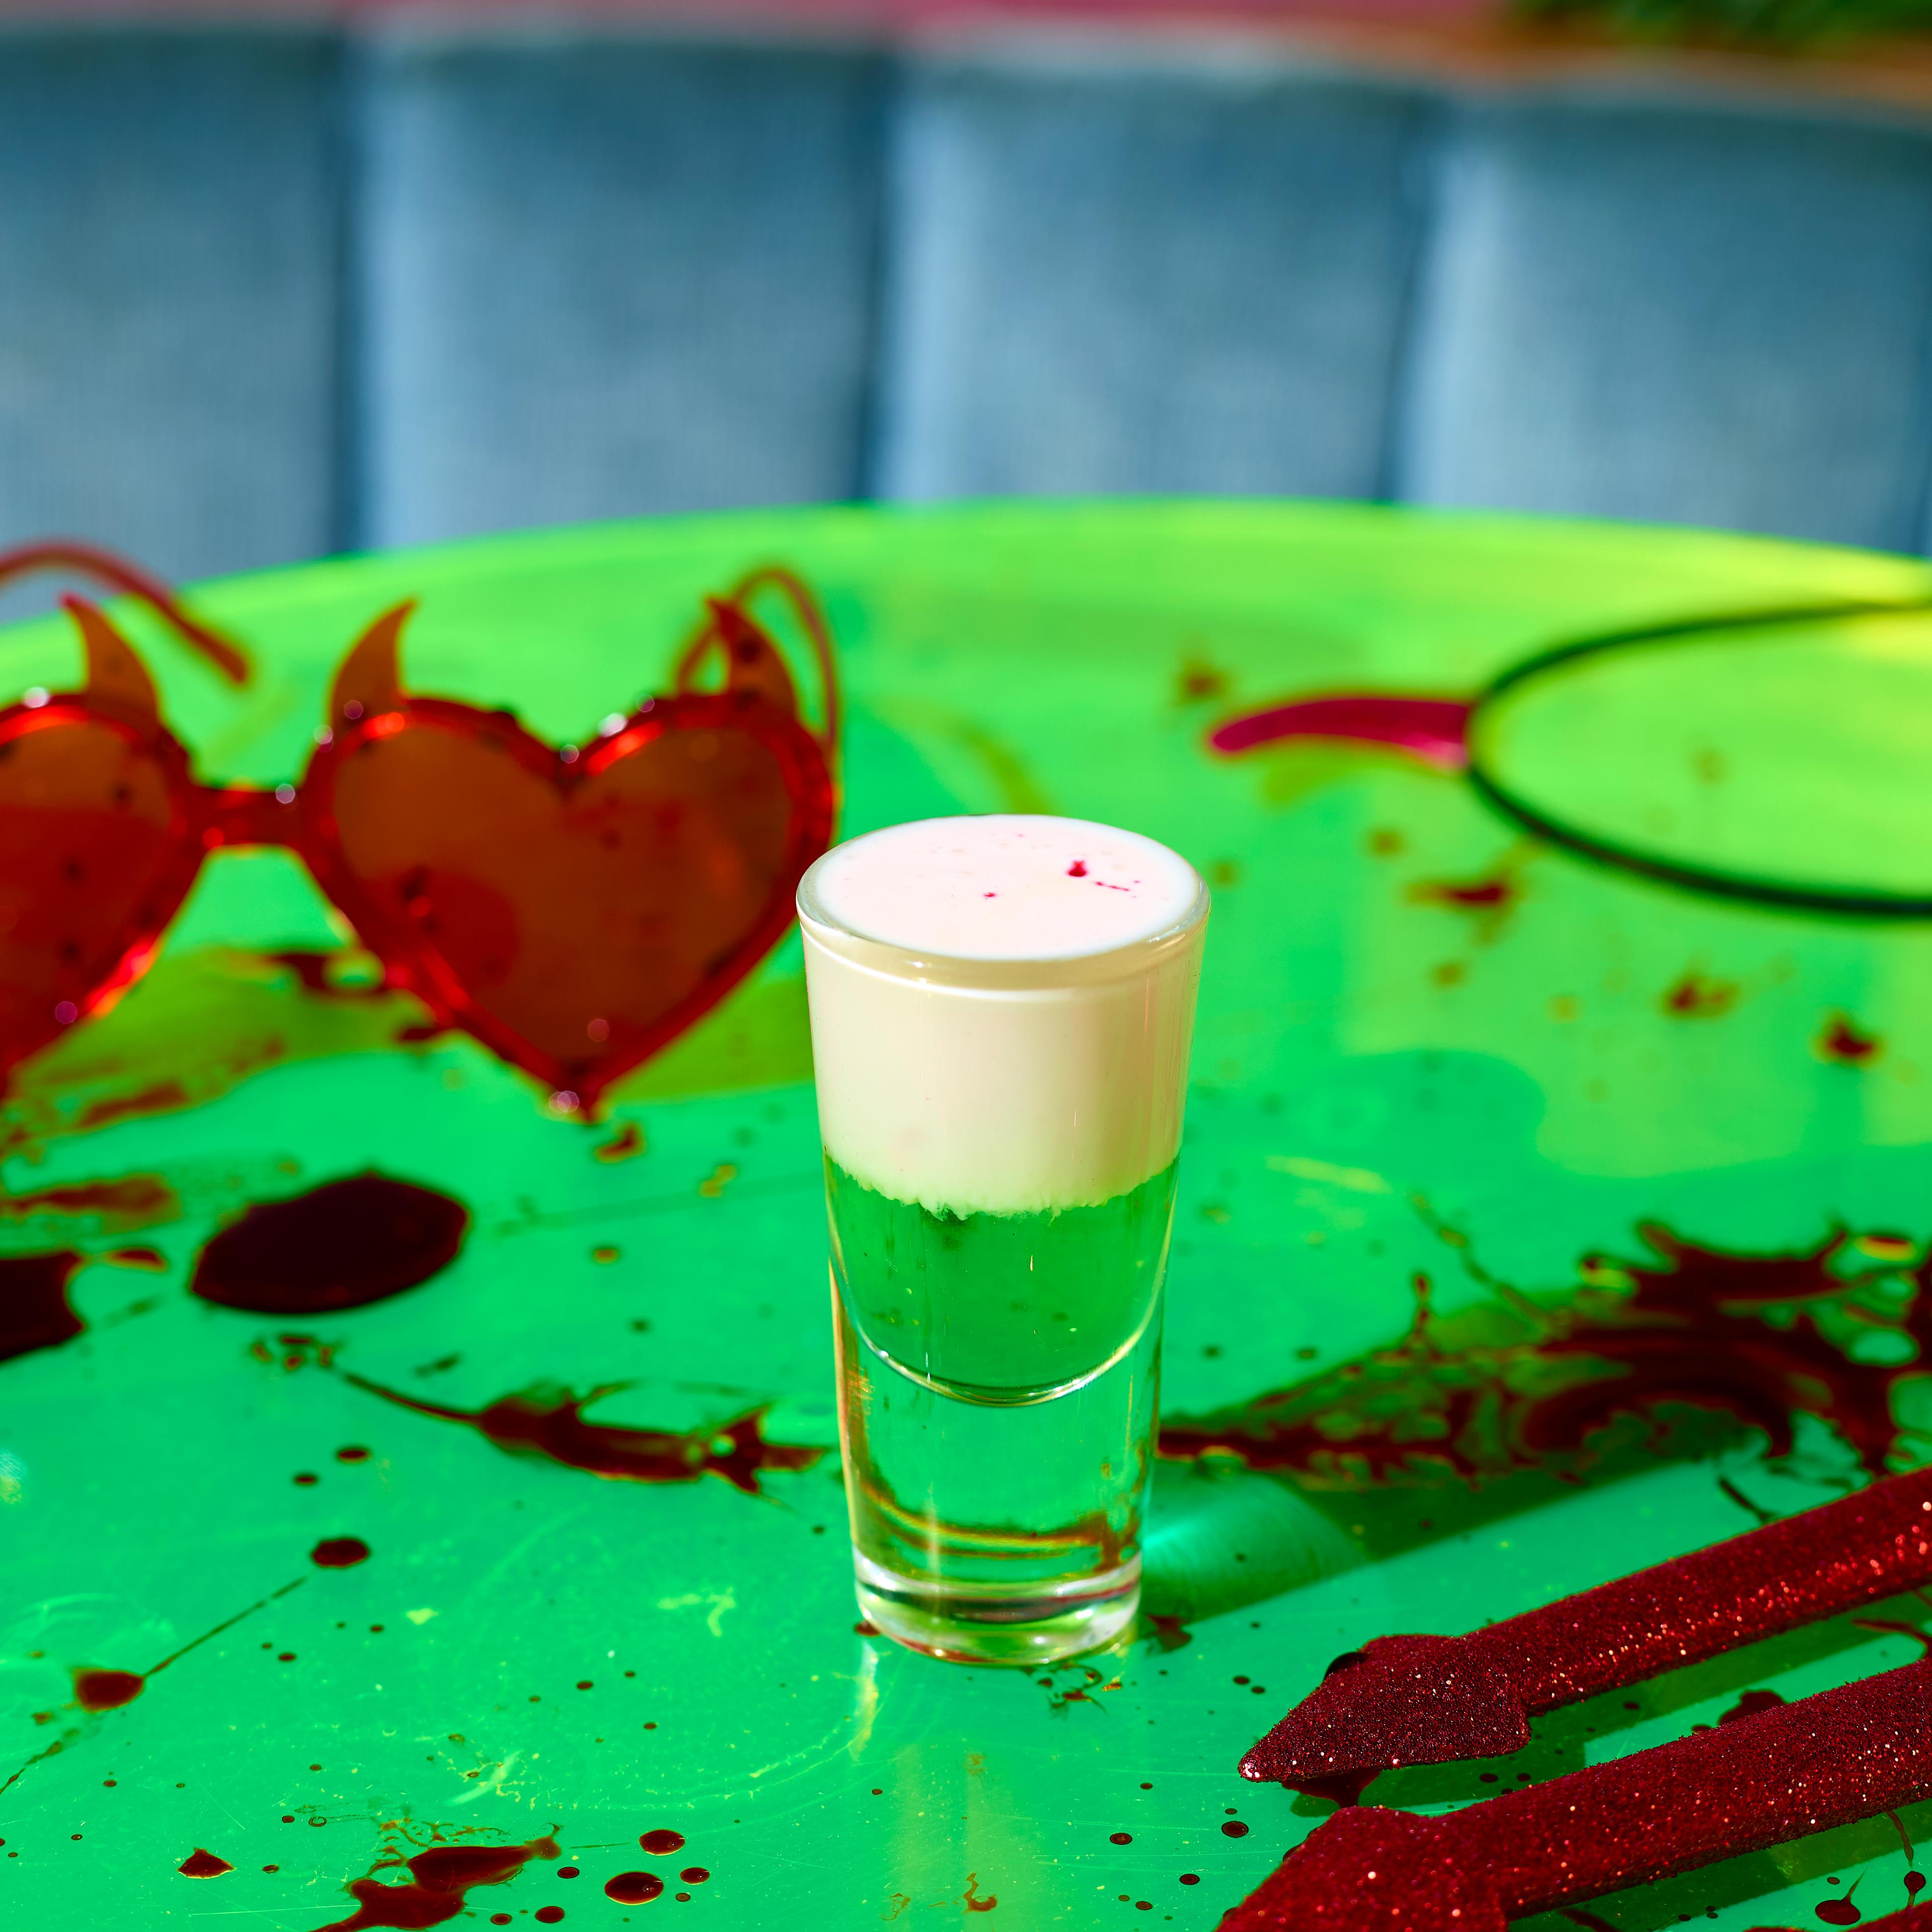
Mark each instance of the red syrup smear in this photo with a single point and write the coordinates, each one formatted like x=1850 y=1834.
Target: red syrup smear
x=1823 y=1762
x=35 y=1312
x=199 y=1864
x=343 y=1245
x=134 y=1200
x=439 y=1881
x=1434 y=1699
x=1843 y=1042
x=1730 y=1332
x=549 y=1422
x=108 y=1689
x=1432 y=729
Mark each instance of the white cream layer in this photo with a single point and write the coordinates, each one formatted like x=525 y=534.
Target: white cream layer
x=1013 y=1060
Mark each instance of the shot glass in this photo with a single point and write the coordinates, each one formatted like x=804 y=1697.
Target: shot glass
x=1001 y=1009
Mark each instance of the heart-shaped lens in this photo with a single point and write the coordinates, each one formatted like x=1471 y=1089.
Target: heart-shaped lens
x=96 y=855
x=574 y=914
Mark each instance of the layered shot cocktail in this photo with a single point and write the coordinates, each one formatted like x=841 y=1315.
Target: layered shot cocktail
x=1001 y=1008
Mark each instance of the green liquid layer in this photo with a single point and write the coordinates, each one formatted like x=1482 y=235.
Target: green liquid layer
x=1002 y=1305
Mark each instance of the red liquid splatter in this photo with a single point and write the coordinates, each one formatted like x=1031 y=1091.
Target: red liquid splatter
x=633 y=1888
x=34 y=1312
x=627 y=1140
x=1413 y=1700
x=107 y=1690
x=339 y=1552
x=439 y=1880
x=1839 y=1911
x=137 y=1258
x=135 y=1201
x=1432 y=729
x=1730 y=1332
x=1845 y=1042
x=344 y=1245
x=199 y=1864
x=164 y=1096
x=549 y=1422
x=1696 y=996
x=662 y=1841
x=1078 y=870
x=1825 y=1761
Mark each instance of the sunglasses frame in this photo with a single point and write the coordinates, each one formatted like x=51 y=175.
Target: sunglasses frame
x=368 y=703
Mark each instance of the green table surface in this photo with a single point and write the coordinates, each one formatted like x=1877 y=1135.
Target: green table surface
x=1394 y=1075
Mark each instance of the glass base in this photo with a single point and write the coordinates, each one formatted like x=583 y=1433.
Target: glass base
x=968 y=1623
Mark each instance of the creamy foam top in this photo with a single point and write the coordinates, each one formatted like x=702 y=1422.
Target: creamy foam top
x=1000 y=1008
x=1004 y=886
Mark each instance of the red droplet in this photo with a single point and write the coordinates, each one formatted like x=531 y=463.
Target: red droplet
x=694 y=1874
x=662 y=1841
x=633 y=1888
x=1078 y=870
x=199 y=1864
x=1120 y=1837
x=1234 y=1828
x=548 y=1914
x=340 y=1552
x=106 y=1689
x=352 y=1452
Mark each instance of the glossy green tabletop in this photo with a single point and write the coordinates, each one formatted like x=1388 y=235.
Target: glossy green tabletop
x=1427 y=1046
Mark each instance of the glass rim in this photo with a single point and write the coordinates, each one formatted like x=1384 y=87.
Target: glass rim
x=1105 y=966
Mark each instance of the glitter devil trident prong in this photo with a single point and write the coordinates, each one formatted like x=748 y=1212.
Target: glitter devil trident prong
x=1404 y=1700
x=1778 y=1774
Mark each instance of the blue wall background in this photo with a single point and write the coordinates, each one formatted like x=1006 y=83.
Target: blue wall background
x=264 y=295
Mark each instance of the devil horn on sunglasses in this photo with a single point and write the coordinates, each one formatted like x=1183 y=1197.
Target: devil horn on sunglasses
x=114 y=674
x=369 y=682
x=65 y=554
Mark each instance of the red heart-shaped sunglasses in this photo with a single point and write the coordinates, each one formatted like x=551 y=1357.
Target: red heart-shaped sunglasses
x=573 y=909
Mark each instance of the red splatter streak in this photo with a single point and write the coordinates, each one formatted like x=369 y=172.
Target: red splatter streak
x=199 y=1864
x=1841 y=1040
x=108 y=1689
x=1696 y=996
x=1738 y=1334
x=1416 y=1699
x=971 y=1898
x=1432 y=729
x=1840 y=1911
x=135 y=1201
x=439 y=1880
x=549 y=1422
x=633 y=1888
x=137 y=1258
x=1823 y=1762
x=339 y=1552
x=344 y=1245
x=35 y=1312
x=627 y=1140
